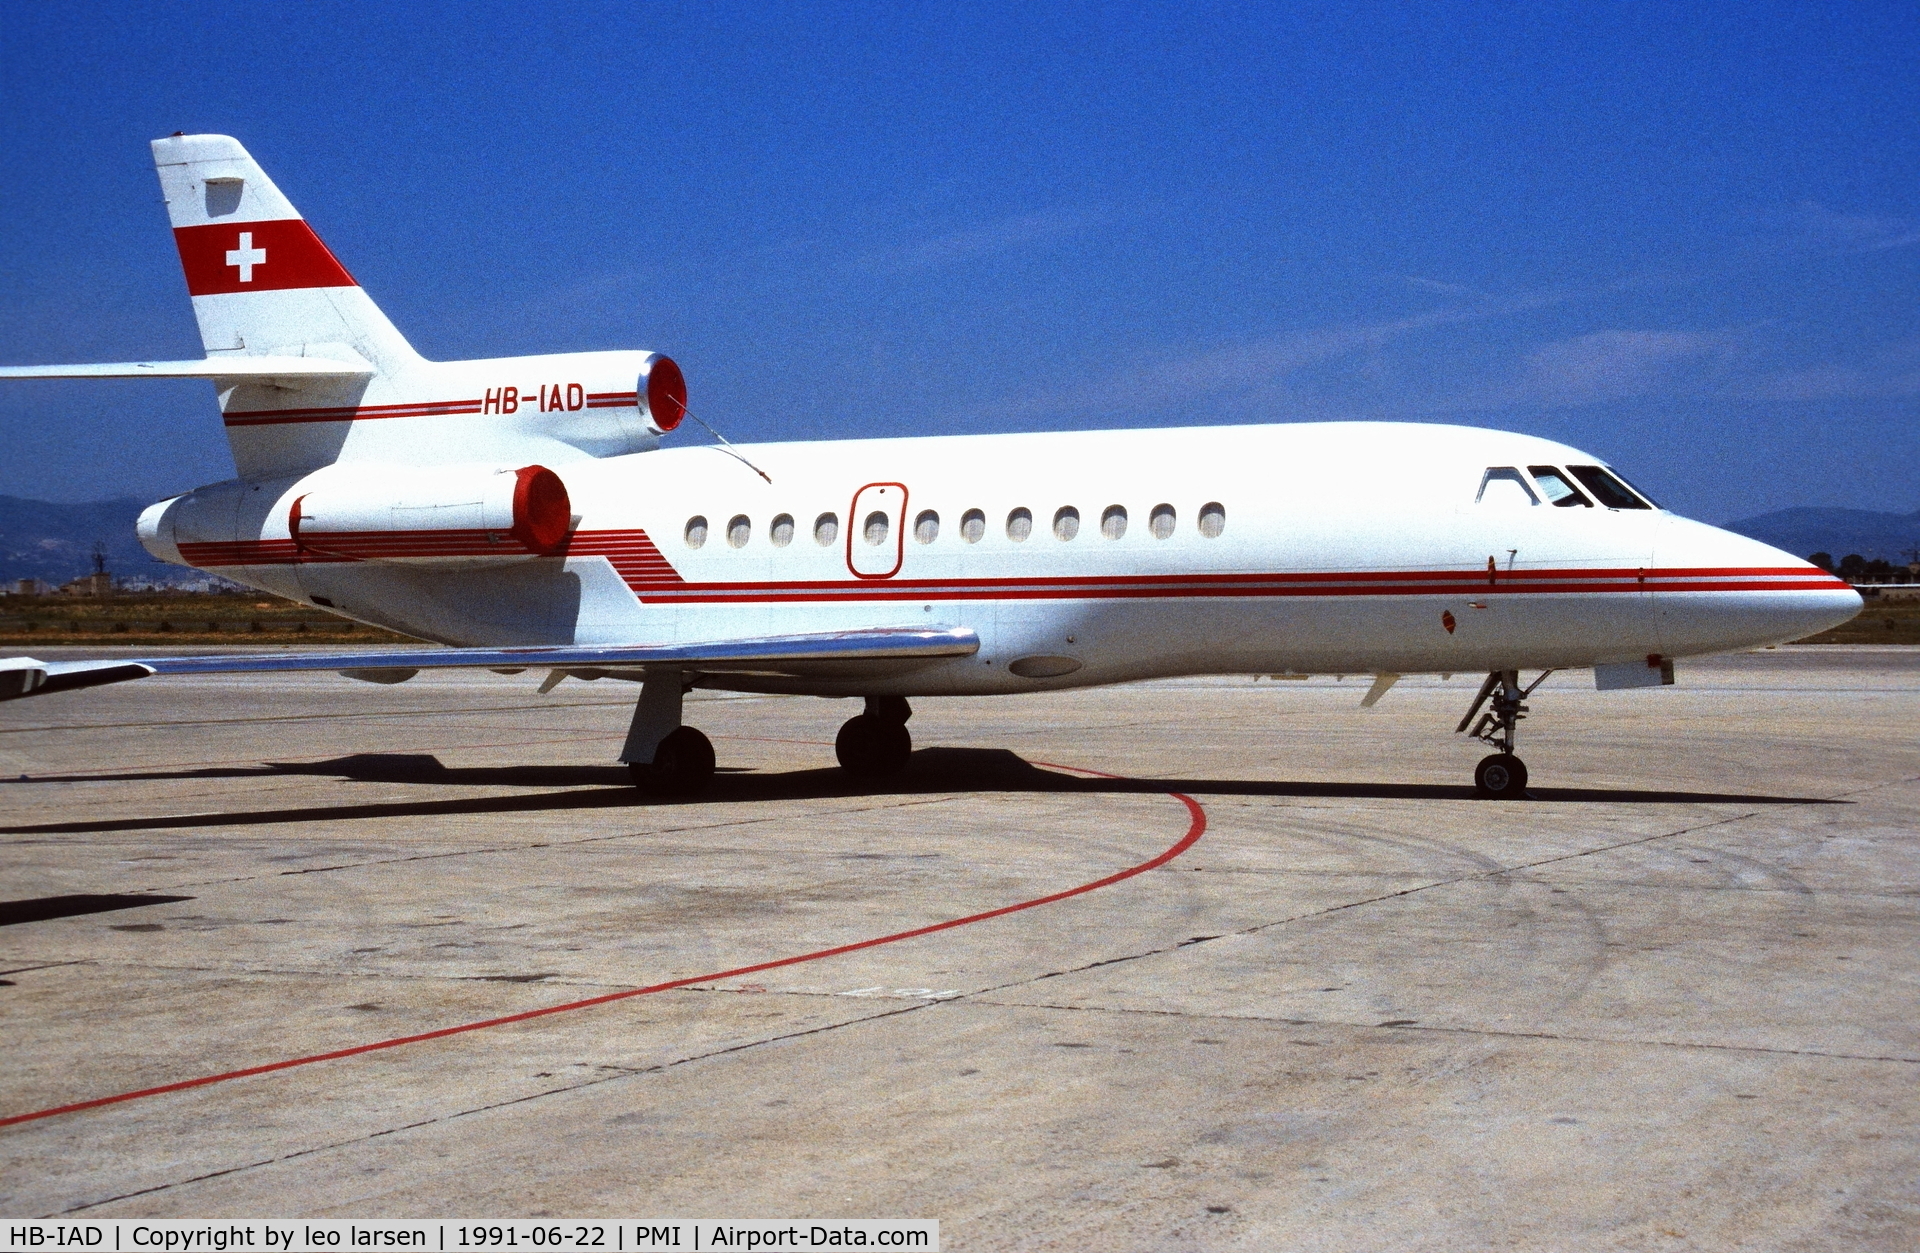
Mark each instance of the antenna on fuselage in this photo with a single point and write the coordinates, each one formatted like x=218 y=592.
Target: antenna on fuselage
x=726 y=445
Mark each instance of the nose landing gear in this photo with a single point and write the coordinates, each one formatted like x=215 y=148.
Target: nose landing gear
x=1500 y=776
x=876 y=744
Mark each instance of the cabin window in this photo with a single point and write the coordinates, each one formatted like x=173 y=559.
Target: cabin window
x=926 y=527
x=1066 y=522
x=973 y=526
x=1606 y=489
x=739 y=531
x=874 y=529
x=826 y=529
x=1556 y=487
x=1505 y=485
x=781 y=532
x=1020 y=524
x=1113 y=522
x=1161 y=521
x=1213 y=519
x=696 y=532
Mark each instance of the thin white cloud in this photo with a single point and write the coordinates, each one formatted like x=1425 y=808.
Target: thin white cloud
x=1825 y=229
x=1004 y=235
x=1597 y=367
x=1258 y=369
x=1435 y=285
x=1892 y=372
x=1614 y=365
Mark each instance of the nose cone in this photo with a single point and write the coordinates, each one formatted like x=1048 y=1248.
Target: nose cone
x=1716 y=592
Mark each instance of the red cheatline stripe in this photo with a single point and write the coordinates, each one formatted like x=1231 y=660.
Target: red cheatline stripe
x=656 y=581
x=332 y=410
x=664 y=590
x=420 y=409
x=1456 y=580
x=653 y=578
x=349 y=413
x=612 y=400
x=634 y=556
x=1195 y=829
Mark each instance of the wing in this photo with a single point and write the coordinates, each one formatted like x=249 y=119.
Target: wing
x=211 y=368
x=836 y=652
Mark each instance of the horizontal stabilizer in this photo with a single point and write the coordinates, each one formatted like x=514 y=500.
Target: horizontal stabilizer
x=210 y=368
x=775 y=655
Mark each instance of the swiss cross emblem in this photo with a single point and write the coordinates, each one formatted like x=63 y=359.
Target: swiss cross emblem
x=246 y=256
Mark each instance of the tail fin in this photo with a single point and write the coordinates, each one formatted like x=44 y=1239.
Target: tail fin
x=262 y=282
x=309 y=372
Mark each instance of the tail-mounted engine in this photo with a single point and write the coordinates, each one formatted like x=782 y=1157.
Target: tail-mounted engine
x=437 y=516
x=662 y=394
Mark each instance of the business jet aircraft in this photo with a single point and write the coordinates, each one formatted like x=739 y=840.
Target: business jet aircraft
x=521 y=512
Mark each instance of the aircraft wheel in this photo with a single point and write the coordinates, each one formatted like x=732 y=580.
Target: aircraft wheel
x=682 y=765
x=1501 y=777
x=872 y=748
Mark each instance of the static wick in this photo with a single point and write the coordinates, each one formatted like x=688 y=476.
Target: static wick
x=726 y=446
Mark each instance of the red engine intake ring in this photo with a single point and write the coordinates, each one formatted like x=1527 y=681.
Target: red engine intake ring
x=666 y=391
x=542 y=511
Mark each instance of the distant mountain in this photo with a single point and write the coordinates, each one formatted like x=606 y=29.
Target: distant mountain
x=53 y=542
x=1803 y=532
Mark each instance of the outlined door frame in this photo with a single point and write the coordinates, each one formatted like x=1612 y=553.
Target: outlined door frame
x=884 y=499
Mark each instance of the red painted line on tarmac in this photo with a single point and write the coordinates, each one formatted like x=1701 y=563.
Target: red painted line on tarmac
x=1195 y=829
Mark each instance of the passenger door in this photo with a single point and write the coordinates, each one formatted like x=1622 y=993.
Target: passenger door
x=877 y=531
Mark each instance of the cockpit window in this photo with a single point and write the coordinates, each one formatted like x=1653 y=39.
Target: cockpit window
x=1554 y=484
x=1606 y=489
x=1505 y=485
x=1633 y=487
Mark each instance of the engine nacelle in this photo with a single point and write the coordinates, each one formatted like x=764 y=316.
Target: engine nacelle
x=437 y=516
x=424 y=516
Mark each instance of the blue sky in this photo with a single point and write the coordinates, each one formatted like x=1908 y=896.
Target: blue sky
x=1685 y=238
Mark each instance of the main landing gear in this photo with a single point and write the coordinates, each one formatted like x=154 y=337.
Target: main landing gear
x=1501 y=776
x=682 y=765
x=664 y=757
x=876 y=744
x=669 y=759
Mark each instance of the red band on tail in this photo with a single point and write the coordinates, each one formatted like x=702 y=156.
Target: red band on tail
x=256 y=256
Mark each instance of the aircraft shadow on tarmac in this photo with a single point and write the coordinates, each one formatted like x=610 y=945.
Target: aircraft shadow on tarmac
x=931 y=771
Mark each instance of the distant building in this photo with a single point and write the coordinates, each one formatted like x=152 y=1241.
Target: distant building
x=100 y=584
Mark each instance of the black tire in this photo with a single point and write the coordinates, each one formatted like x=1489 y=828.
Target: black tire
x=872 y=748
x=682 y=765
x=1501 y=777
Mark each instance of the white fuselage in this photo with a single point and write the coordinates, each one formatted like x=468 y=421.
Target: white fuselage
x=1341 y=548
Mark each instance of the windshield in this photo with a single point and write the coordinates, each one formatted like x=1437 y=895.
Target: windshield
x=1635 y=488
x=1555 y=487
x=1607 y=489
